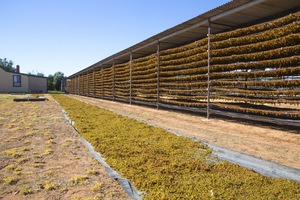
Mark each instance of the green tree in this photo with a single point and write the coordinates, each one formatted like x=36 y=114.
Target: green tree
x=37 y=73
x=8 y=65
x=57 y=80
x=54 y=81
x=40 y=74
x=50 y=85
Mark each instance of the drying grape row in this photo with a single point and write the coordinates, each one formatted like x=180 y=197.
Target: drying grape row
x=164 y=166
x=255 y=65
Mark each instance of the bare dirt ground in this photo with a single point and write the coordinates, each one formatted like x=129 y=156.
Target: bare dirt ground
x=279 y=146
x=42 y=157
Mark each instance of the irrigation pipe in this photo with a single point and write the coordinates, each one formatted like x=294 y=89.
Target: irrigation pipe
x=125 y=183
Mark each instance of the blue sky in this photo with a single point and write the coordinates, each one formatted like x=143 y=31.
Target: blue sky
x=69 y=35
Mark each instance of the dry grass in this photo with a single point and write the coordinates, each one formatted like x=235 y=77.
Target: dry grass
x=27 y=190
x=79 y=180
x=97 y=187
x=92 y=172
x=14 y=152
x=10 y=180
x=48 y=185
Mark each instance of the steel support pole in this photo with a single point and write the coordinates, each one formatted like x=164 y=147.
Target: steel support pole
x=88 y=85
x=94 y=83
x=102 y=82
x=82 y=84
x=113 y=89
x=208 y=69
x=130 y=79
x=78 y=89
x=158 y=73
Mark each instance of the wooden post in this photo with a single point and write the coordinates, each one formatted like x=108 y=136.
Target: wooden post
x=208 y=69
x=158 y=73
x=130 y=79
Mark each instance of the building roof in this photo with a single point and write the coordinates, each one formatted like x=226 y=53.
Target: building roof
x=235 y=14
x=23 y=73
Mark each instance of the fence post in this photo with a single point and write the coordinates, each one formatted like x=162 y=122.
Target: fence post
x=158 y=73
x=208 y=69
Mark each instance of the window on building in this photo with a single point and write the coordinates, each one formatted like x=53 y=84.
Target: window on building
x=17 y=80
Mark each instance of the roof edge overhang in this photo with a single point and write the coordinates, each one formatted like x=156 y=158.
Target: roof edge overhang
x=222 y=18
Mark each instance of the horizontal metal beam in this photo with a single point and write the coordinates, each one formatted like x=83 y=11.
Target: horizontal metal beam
x=237 y=9
x=144 y=46
x=184 y=30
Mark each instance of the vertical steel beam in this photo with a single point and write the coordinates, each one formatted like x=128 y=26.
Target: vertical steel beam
x=83 y=85
x=158 y=73
x=78 y=89
x=93 y=82
x=208 y=68
x=87 y=79
x=130 y=79
x=113 y=89
x=102 y=85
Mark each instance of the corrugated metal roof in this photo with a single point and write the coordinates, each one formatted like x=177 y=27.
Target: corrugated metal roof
x=234 y=14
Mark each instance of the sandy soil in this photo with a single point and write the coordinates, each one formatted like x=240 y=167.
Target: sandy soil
x=279 y=146
x=41 y=156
